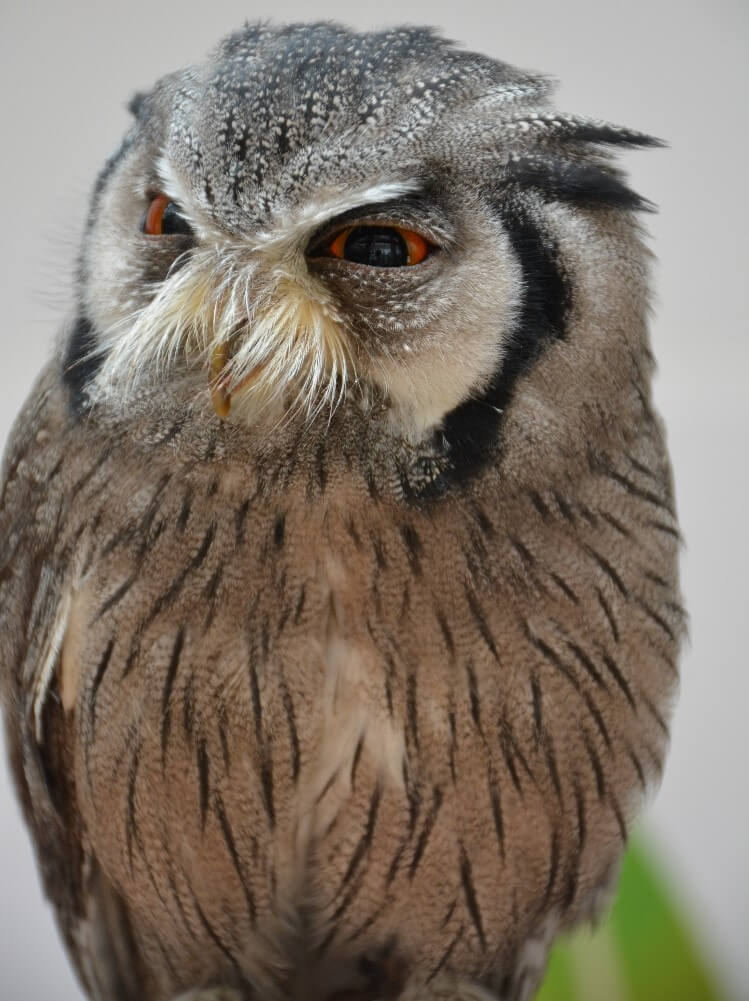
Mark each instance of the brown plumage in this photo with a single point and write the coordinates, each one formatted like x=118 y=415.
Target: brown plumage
x=356 y=693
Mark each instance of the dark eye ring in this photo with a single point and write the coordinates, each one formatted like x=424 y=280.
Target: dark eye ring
x=163 y=218
x=381 y=245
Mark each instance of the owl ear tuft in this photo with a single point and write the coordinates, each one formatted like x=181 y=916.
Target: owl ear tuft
x=605 y=134
x=572 y=128
x=586 y=184
x=136 y=103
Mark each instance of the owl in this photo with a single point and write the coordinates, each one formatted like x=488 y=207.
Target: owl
x=339 y=605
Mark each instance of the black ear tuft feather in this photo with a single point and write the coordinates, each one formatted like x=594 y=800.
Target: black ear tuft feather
x=545 y=126
x=578 y=182
x=136 y=103
x=604 y=134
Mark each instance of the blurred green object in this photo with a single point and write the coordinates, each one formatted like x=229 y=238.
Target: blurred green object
x=642 y=952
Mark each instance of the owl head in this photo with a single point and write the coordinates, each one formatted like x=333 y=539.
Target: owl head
x=318 y=221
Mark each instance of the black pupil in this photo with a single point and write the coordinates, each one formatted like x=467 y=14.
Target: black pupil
x=173 y=222
x=378 y=246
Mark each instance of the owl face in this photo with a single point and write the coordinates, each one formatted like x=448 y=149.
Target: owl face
x=317 y=219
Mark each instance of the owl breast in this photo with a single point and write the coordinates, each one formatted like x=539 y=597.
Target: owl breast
x=316 y=726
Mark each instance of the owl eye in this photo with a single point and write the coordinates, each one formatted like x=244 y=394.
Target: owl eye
x=163 y=218
x=378 y=246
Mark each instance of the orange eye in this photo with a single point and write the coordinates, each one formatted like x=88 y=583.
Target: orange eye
x=379 y=246
x=163 y=218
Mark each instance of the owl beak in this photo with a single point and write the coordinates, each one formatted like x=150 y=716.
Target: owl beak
x=220 y=394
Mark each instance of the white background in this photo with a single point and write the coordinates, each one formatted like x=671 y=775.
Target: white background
x=675 y=69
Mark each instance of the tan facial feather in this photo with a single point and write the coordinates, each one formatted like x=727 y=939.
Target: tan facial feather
x=277 y=335
x=250 y=304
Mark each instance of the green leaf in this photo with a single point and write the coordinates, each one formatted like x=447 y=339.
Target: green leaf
x=643 y=952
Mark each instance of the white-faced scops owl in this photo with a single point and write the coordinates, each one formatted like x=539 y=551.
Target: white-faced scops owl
x=339 y=610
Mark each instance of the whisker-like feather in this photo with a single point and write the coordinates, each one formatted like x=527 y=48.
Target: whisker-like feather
x=280 y=341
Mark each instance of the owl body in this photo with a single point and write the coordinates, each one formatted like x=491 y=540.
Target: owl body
x=340 y=610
